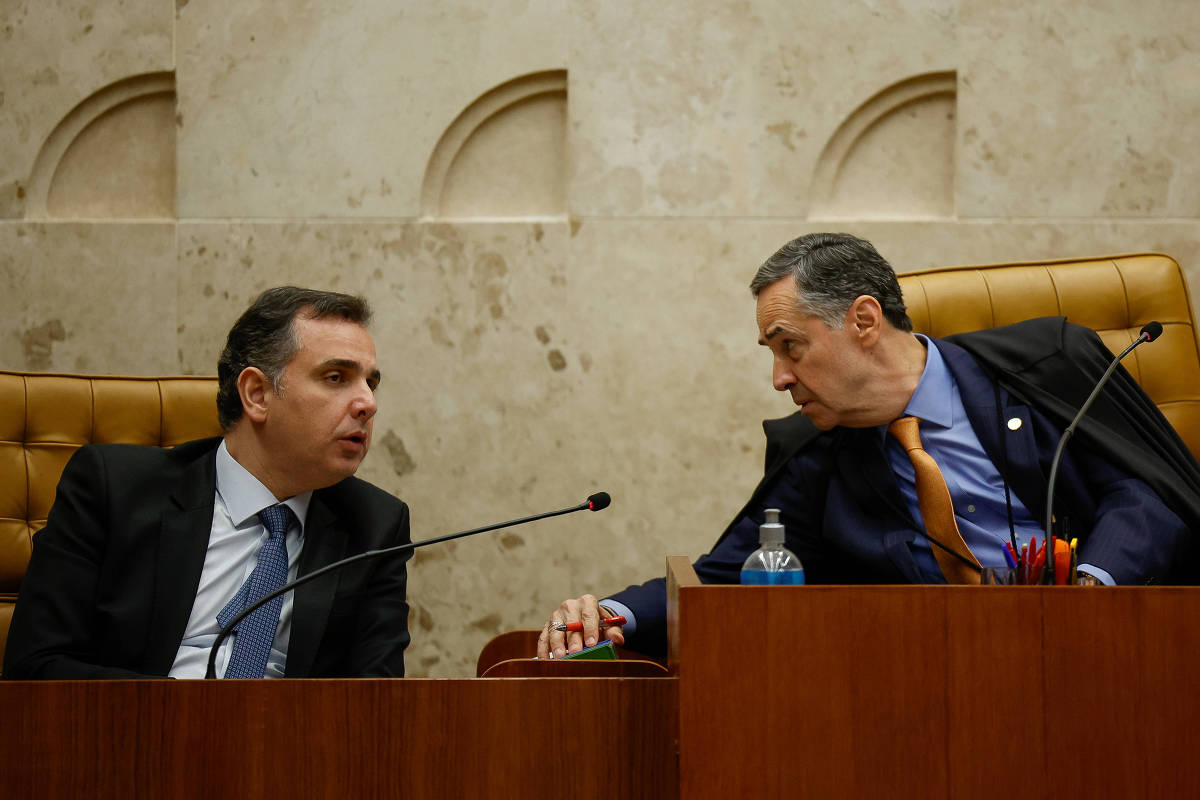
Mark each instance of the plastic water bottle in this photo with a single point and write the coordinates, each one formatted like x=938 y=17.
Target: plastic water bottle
x=772 y=564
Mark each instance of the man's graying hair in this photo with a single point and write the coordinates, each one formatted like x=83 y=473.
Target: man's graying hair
x=264 y=337
x=832 y=270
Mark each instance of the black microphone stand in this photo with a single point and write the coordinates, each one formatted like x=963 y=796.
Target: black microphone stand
x=596 y=502
x=1150 y=331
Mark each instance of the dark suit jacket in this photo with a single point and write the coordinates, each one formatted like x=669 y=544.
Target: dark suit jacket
x=848 y=523
x=114 y=573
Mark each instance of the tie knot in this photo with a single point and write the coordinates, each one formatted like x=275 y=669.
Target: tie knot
x=906 y=432
x=277 y=519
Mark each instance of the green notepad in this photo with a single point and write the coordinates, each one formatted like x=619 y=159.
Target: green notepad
x=605 y=651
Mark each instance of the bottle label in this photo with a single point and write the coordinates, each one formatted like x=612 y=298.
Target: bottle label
x=761 y=577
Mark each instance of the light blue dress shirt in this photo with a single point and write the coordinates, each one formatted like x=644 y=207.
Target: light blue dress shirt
x=233 y=545
x=976 y=487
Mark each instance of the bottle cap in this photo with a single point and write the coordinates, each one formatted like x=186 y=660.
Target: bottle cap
x=771 y=531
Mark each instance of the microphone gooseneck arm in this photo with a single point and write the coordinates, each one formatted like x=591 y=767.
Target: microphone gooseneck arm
x=1150 y=331
x=595 y=502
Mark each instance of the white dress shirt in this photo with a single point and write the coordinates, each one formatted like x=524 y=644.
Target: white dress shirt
x=233 y=546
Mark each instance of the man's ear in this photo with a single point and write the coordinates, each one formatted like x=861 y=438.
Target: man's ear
x=256 y=390
x=865 y=318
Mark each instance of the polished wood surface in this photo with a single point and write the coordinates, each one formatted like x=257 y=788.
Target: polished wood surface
x=574 y=737
x=679 y=574
x=1031 y=692
x=576 y=668
x=509 y=654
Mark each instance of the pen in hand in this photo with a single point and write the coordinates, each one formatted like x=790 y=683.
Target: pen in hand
x=578 y=626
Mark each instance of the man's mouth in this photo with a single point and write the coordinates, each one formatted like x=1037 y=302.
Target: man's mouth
x=357 y=438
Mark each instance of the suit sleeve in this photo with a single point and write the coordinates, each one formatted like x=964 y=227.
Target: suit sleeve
x=1135 y=537
x=381 y=623
x=51 y=634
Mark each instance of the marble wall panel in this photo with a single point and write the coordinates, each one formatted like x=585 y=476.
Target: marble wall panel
x=722 y=108
x=55 y=53
x=122 y=165
x=90 y=298
x=901 y=167
x=331 y=109
x=513 y=165
x=1079 y=110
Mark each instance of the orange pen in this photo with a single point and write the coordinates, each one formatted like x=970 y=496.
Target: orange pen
x=1062 y=562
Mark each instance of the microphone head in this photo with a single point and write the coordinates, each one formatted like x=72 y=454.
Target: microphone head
x=1152 y=330
x=599 y=501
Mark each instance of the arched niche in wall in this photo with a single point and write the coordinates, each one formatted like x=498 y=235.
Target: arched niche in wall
x=505 y=155
x=112 y=156
x=893 y=157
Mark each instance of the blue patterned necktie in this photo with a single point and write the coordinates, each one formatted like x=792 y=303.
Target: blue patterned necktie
x=256 y=633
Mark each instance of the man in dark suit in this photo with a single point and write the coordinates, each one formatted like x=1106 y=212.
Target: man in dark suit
x=146 y=549
x=990 y=410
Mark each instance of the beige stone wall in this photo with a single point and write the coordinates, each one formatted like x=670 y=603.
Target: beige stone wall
x=555 y=208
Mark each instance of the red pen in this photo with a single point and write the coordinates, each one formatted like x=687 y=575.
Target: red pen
x=578 y=626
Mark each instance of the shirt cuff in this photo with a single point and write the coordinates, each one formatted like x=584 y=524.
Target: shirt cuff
x=630 y=626
x=1097 y=573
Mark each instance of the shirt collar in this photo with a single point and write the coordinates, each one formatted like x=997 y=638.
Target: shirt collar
x=933 y=399
x=245 y=495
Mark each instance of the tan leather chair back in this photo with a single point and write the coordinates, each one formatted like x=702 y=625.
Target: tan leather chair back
x=45 y=418
x=1114 y=296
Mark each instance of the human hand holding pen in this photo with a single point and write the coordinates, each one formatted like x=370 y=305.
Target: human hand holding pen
x=586 y=611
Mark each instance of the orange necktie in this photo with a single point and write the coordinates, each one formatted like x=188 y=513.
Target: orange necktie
x=933 y=498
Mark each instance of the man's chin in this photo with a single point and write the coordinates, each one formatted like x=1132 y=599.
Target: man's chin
x=342 y=468
x=814 y=415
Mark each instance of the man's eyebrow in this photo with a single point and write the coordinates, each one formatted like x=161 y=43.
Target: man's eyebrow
x=344 y=363
x=348 y=363
x=771 y=334
x=795 y=334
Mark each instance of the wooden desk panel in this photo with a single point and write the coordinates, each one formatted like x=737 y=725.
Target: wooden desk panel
x=1033 y=692
x=576 y=737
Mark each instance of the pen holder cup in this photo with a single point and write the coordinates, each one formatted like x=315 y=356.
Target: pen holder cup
x=998 y=576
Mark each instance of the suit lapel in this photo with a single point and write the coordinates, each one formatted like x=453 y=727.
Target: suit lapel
x=863 y=463
x=185 y=528
x=324 y=543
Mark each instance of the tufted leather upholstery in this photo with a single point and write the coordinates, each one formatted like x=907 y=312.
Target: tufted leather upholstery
x=1114 y=296
x=44 y=418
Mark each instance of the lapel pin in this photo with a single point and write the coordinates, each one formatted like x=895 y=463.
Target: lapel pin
x=1014 y=424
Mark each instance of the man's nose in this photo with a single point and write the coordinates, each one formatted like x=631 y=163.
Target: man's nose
x=365 y=405
x=782 y=376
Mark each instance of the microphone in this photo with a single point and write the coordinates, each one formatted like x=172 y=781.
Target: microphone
x=1149 y=332
x=596 y=502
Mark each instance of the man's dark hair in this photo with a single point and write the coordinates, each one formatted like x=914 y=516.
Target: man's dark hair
x=832 y=270
x=265 y=337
